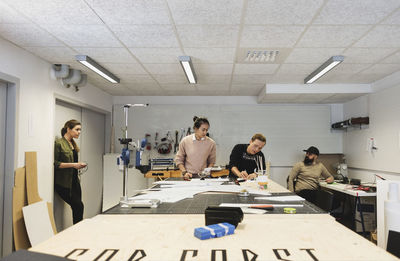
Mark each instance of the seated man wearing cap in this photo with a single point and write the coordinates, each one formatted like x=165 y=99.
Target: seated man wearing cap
x=308 y=172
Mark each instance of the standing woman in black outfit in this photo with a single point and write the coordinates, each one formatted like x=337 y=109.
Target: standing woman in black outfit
x=66 y=166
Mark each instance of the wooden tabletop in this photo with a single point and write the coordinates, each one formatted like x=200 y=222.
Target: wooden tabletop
x=170 y=237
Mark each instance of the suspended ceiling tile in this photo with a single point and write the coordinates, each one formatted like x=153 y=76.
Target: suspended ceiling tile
x=312 y=55
x=137 y=79
x=84 y=35
x=143 y=87
x=213 y=68
x=57 y=12
x=381 y=36
x=211 y=55
x=171 y=78
x=131 y=12
x=367 y=11
x=10 y=16
x=349 y=68
x=157 y=55
x=255 y=68
x=213 y=78
x=212 y=87
x=146 y=35
x=27 y=35
x=124 y=68
x=173 y=68
x=395 y=58
x=246 y=89
x=241 y=79
x=208 y=35
x=304 y=69
x=382 y=69
x=350 y=78
x=206 y=11
x=270 y=36
x=366 y=55
x=54 y=54
x=107 y=55
x=393 y=19
x=179 y=87
x=332 y=35
x=287 y=78
x=286 y=12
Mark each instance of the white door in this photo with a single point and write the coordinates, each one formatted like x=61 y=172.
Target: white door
x=3 y=104
x=92 y=151
x=91 y=144
x=63 y=113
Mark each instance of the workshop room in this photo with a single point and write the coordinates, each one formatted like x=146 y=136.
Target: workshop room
x=199 y=130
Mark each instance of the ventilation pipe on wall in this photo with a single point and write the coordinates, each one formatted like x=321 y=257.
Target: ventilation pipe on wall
x=81 y=83
x=68 y=77
x=59 y=71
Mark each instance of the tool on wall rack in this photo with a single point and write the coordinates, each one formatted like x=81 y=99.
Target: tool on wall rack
x=176 y=141
x=182 y=134
x=165 y=146
x=148 y=145
x=188 y=131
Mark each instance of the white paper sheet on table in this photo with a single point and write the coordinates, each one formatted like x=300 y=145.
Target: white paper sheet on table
x=281 y=198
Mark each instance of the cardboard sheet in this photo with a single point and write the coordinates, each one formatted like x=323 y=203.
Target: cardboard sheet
x=31 y=177
x=21 y=240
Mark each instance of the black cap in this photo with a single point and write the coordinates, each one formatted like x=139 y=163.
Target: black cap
x=312 y=150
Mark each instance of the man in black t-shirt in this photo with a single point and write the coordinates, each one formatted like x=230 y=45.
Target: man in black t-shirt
x=245 y=159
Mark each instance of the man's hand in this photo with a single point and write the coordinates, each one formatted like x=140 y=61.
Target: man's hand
x=329 y=180
x=243 y=174
x=187 y=176
x=252 y=176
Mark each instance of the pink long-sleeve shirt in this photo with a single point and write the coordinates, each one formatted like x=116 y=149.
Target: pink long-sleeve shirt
x=196 y=155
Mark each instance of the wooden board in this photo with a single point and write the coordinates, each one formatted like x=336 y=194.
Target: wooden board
x=31 y=177
x=170 y=237
x=21 y=240
x=177 y=173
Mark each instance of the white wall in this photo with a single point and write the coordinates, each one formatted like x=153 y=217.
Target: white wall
x=36 y=100
x=383 y=109
x=288 y=128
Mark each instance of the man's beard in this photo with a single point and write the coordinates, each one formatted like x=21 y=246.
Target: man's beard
x=307 y=161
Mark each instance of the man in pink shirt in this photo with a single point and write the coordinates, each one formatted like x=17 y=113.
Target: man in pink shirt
x=196 y=151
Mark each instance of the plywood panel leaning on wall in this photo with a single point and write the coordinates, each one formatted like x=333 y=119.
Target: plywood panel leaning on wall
x=31 y=177
x=21 y=240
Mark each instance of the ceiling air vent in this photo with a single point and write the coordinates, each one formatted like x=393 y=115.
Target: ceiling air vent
x=260 y=56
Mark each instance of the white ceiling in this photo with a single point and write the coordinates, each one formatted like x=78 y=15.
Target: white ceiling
x=140 y=40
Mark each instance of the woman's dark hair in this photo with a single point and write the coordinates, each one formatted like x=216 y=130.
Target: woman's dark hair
x=70 y=124
x=198 y=121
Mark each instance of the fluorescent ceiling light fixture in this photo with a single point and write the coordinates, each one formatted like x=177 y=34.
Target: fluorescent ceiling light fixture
x=187 y=66
x=324 y=68
x=97 y=68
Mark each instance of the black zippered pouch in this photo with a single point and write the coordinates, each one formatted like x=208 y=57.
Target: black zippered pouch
x=231 y=215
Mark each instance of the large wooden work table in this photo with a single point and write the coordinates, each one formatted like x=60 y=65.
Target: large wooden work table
x=170 y=237
x=313 y=236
